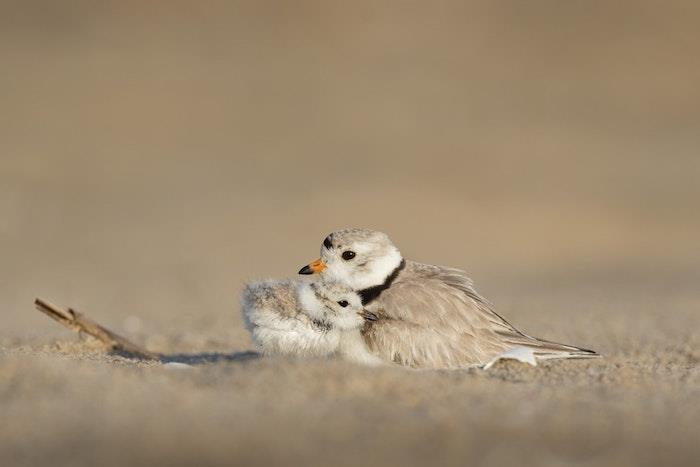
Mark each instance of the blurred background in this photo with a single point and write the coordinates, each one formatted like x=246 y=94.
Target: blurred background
x=154 y=156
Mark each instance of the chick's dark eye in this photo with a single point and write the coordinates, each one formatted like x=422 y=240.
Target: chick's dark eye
x=343 y=303
x=348 y=255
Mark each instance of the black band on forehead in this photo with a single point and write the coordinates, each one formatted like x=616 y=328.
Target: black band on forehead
x=328 y=242
x=371 y=293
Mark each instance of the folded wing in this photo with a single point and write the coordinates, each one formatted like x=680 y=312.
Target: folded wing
x=433 y=318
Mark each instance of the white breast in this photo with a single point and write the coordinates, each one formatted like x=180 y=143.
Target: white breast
x=352 y=347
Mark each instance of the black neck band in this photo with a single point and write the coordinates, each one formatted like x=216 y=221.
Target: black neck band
x=371 y=293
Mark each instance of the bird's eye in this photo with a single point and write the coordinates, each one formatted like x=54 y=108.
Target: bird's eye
x=343 y=303
x=348 y=255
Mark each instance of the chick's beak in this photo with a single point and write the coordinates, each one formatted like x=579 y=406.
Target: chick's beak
x=368 y=315
x=313 y=268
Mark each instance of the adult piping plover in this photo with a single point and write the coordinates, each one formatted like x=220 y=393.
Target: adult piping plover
x=304 y=318
x=427 y=316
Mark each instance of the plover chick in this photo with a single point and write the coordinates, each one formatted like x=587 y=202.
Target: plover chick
x=427 y=316
x=304 y=318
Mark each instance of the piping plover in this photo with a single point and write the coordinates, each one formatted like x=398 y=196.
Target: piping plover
x=427 y=316
x=304 y=318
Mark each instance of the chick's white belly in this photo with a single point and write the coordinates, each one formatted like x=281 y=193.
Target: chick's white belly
x=296 y=335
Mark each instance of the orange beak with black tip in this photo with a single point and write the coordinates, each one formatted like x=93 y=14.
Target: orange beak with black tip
x=313 y=268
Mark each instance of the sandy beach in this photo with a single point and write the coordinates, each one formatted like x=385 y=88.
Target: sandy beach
x=154 y=158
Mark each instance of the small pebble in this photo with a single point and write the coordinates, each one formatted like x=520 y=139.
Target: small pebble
x=177 y=366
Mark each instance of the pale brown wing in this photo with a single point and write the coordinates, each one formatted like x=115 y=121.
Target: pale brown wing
x=432 y=317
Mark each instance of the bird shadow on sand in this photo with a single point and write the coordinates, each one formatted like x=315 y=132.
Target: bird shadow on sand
x=210 y=357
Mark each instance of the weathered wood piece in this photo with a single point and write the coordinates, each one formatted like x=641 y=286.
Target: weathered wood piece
x=80 y=323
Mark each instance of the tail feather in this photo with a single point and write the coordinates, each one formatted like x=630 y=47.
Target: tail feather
x=546 y=350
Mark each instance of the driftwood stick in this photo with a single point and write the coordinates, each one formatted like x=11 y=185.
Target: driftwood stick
x=79 y=323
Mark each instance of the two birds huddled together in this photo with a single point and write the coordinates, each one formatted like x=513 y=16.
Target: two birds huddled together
x=372 y=306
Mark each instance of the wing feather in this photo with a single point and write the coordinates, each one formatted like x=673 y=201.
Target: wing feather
x=432 y=317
